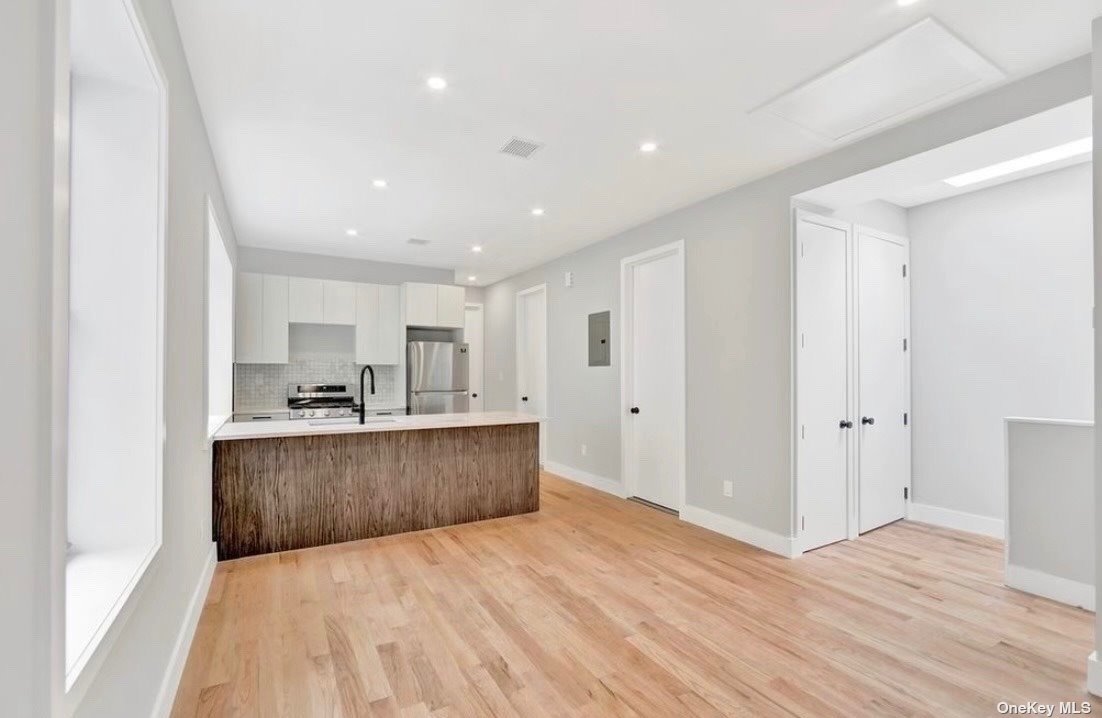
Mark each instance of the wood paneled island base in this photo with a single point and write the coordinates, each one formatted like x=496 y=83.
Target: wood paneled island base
x=283 y=493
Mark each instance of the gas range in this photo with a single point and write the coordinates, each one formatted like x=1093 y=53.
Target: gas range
x=320 y=401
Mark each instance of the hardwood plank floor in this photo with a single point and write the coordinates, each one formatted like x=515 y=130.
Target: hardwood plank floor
x=596 y=606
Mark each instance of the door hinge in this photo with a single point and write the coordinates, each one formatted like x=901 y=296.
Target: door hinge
x=803 y=523
x=904 y=343
x=904 y=270
x=905 y=418
x=803 y=431
x=906 y=493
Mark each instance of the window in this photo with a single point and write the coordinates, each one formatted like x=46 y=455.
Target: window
x=115 y=438
x=219 y=326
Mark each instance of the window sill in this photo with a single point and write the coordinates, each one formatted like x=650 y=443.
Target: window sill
x=101 y=588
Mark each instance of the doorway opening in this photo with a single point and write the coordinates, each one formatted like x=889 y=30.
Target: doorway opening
x=939 y=301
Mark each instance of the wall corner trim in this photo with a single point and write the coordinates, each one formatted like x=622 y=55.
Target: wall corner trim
x=740 y=531
x=1057 y=588
x=593 y=481
x=166 y=696
x=959 y=520
x=1094 y=674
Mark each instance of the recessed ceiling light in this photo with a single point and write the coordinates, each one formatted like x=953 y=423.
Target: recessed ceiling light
x=905 y=3
x=379 y=184
x=472 y=278
x=436 y=83
x=1036 y=159
x=648 y=147
x=537 y=211
x=477 y=248
x=351 y=231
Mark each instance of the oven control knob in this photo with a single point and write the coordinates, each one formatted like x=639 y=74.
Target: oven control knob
x=325 y=413
x=310 y=412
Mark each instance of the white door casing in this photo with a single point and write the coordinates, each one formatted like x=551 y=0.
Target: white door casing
x=823 y=350
x=531 y=359
x=883 y=373
x=473 y=331
x=652 y=349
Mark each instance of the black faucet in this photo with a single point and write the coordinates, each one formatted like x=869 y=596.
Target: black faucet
x=363 y=403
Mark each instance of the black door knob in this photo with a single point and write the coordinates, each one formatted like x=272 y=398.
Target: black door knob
x=524 y=398
x=868 y=420
x=474 y=396
x=634 y=410
x=845 y=424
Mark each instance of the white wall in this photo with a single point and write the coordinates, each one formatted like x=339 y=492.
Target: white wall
x=738 y=267
x=220 y=319
x=1001 y=299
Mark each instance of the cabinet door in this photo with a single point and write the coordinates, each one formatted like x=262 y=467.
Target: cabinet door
x=450 y=306
x=274 y=319
x=248 y=325
x=338 y=302
x=367 y=324
x=420 y=304
x=391 y=336
x=305 y=300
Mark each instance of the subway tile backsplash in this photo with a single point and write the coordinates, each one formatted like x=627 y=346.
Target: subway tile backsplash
x=263 y=387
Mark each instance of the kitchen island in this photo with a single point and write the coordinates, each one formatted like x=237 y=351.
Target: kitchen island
x=282 y=485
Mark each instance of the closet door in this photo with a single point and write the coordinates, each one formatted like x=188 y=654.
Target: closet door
x=883 y=378
x=824 y=425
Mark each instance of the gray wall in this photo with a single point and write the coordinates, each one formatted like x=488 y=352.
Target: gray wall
x=26 y=143
x=1050 y=517
x=320 y=266
x=1001 y=298
x=738 y=265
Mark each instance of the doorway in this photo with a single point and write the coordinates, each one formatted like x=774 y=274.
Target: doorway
x=473 y=331
x=531 y=397
x=653 y=378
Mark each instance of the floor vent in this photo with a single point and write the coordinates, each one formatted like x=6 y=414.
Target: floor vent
x=520 y=148
x=417 y=242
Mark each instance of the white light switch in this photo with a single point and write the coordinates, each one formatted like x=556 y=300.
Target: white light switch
x=568 y=279
x=728 y=489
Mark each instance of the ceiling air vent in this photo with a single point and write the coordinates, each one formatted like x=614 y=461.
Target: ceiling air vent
x=417 y=242
x=520 y=148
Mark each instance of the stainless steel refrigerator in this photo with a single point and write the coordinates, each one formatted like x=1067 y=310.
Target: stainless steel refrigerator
x=437 y=377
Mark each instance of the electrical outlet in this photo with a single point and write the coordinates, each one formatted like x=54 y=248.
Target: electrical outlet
x=585 y=449
x=728 y=489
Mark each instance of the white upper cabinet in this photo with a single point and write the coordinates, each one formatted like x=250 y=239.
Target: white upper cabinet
x=261 y=325
x=338 y=303
x=306 y=297
x=450 y=306
x=378 y=335
x=420 y=304
x=322 y=301
x=433 y=305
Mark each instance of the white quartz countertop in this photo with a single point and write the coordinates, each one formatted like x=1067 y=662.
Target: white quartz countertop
x=306 y=427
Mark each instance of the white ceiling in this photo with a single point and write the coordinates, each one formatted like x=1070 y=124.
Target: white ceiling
x=307 y=102
x=920 y=179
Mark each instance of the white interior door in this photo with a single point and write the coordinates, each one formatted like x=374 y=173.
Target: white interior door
x=532 y=357
x=654 y=367
x=473 y=328
x=883 y=379
x=824 y=424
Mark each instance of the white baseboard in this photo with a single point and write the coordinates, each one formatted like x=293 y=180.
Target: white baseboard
x=1094 y=674
x=959 y=520
x=171 y=681
x=733 y=528
x=585 y=478
x=1064 y=590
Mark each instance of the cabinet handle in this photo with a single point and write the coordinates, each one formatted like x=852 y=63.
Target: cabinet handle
x=867 y=420
x=845 y=424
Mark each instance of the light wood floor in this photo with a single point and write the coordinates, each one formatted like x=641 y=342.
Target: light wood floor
x=597 y=606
